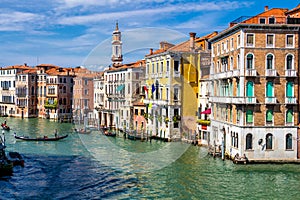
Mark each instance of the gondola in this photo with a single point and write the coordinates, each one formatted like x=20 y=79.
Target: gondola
x=110 y=134
x=82 y=131
x=45 y=138
x=5 y=127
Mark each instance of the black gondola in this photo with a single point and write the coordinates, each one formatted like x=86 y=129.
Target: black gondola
x=45 y=138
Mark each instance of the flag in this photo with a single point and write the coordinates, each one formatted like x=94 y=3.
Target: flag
x=153 y=88
x=146 y=89
x=208 y=111
x=150 y=105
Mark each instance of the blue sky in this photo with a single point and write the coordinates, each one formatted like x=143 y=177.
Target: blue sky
x=69 y=33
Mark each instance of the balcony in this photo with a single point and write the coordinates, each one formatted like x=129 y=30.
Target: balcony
x=271 y=72
x=270 y=100
x=251 y=72
x=290 y=73
x=290 y=100
x=250 y=100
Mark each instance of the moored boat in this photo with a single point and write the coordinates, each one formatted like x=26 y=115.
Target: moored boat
x=5 y=127
x=45 y=138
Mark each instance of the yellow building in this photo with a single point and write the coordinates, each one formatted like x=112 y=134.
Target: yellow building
x=172 y=89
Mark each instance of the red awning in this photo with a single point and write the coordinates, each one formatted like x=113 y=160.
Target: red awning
x=208 y=111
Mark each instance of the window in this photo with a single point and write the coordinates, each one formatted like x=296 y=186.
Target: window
x=289 y=40
x=262 y=20
x=136 y=111
x=248 y=141
x=249 y=116
x=176 y=66
x=269 y=141
x=269 y=116
x=271 y=20
x=289 y=62
x=231 y=44
x=238 y=40
x=270 y=40
x=236 y=140
x=249 y=61
x=289 y=89
x=250 y=89
x=269 y=89
x=269 y=61
x=176 y=94
x=250 y=40
x=168 y=65
x=289 y=116
x=288 y=141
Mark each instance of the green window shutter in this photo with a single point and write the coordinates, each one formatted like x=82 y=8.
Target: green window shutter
x=250 y=89
x=289 y=116
x=249 y=116
x=289 y=89
x=269 y=89
x=269 y=115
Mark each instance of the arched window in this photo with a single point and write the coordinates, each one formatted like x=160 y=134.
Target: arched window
x=269 y=61
x=289 y=116
x=269 y=141
x=232 y=139
x=289 y=89
x=269 y=89
x=64 y=89
x=250 y=92
x=64 y=101
x=249 y=116
x=288 y=141
x=236 y=140
x=249 y=61
x=269 y=116
x=248 y=141
x=238 y=61
x=289 y=62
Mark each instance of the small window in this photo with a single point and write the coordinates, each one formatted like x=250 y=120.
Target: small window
x=271 y=20
x=289 y=62
x=269 y=61
x=262 y=20
x=249 y=141
x=250 y=40
x=270 y=40
x=289 y=141
x=269 y=141
x=290 y=41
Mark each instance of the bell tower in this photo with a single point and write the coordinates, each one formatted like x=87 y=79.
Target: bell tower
x=117 y=56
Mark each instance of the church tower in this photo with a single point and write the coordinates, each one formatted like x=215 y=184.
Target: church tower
x=117 y=56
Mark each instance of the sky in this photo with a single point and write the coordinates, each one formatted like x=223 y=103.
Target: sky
x=70 y=33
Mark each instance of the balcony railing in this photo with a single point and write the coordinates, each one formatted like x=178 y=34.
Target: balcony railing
x=271 y=72
x=291 y=73
x=270 y=100
x=290 y=100
x=250 y=100
x=251 y=72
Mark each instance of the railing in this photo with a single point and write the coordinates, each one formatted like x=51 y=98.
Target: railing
x=270 y=100
x=290 y=100
x=271 y=72
x=251 y=72
x=291 y=73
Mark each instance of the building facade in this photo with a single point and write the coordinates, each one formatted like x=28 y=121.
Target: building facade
x=254 y=76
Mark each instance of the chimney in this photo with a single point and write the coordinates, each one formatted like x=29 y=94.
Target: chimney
x=151 y=51
x=266 y=8
x=192 y=41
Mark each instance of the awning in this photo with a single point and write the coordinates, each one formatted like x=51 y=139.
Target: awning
x=208 y=111
x=120 y=87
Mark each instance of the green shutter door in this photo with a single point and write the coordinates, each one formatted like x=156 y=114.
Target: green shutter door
x=269 y=89
x=289 y=89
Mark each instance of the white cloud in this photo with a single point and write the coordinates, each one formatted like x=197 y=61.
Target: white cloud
x=149 y=12
x=16 y=21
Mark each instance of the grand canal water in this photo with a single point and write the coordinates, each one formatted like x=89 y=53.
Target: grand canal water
x=69 y=169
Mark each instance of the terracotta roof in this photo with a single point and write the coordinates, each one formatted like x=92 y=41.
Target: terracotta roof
x=16 y=67
x=137 y=64
x=293 y=10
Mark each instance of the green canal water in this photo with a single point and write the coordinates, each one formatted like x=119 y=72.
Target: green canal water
x=94 y=166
